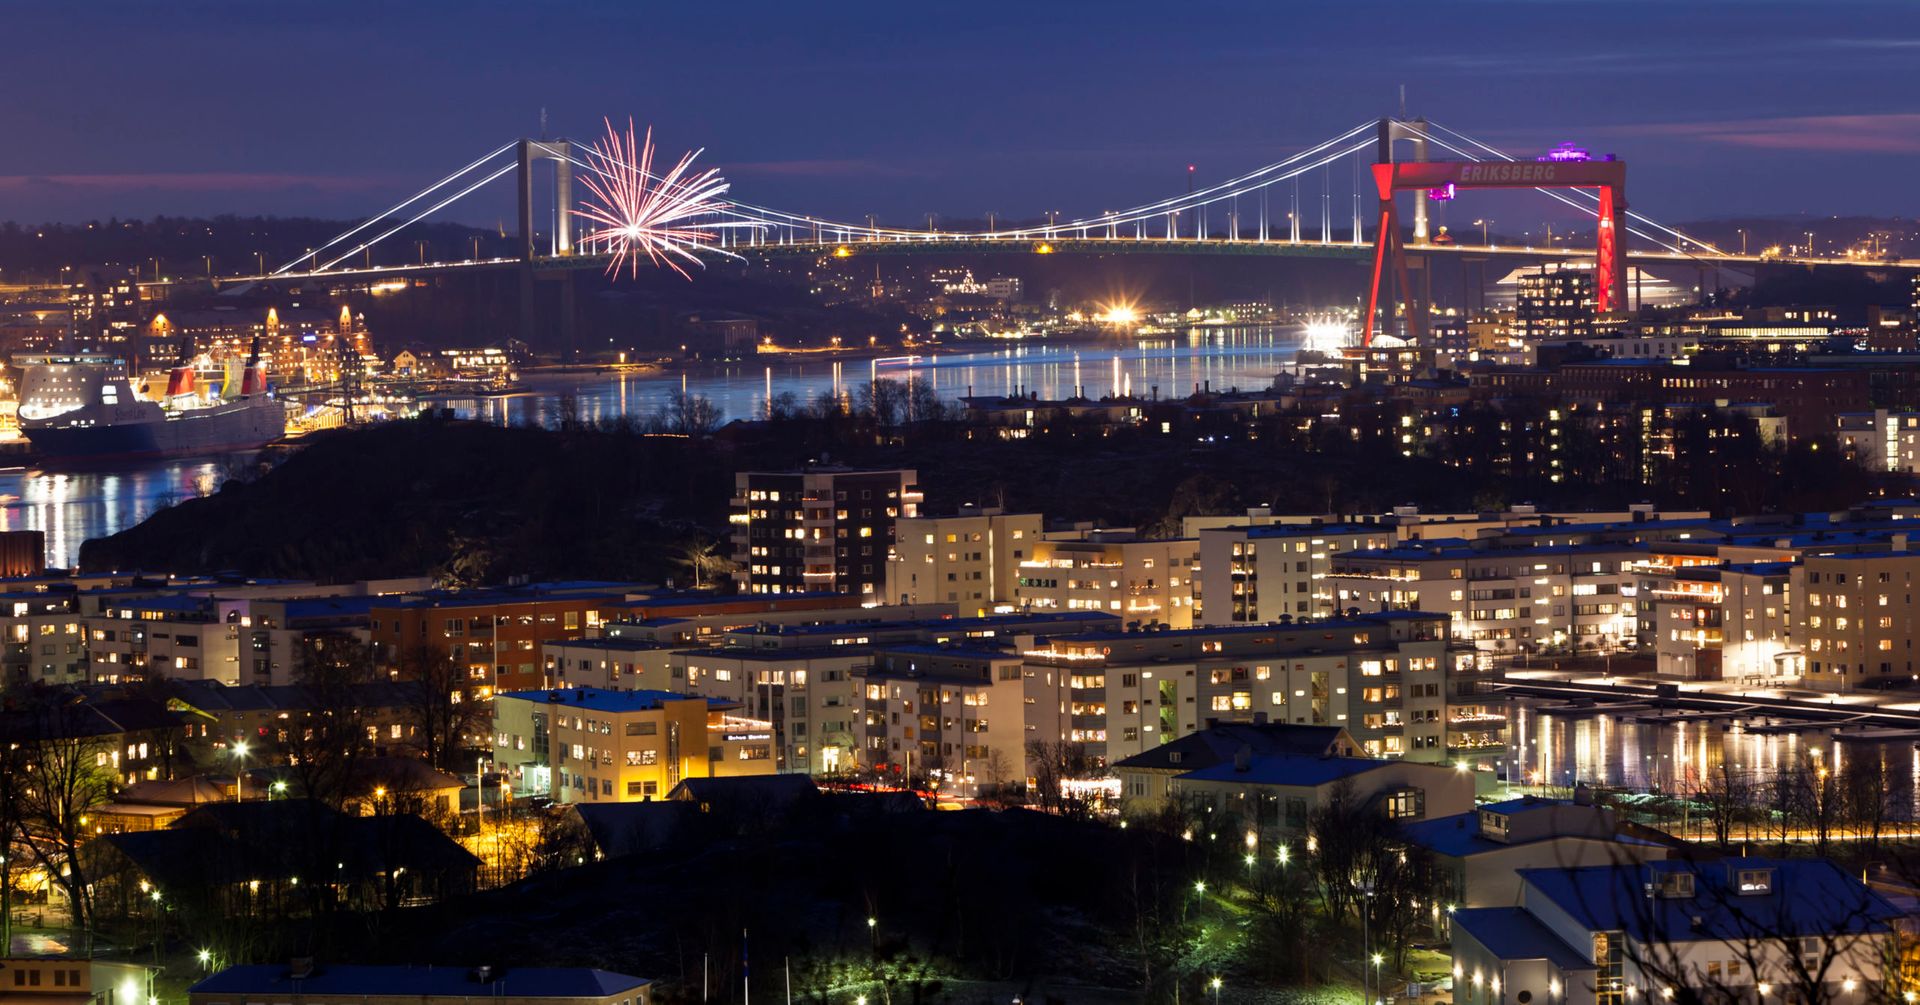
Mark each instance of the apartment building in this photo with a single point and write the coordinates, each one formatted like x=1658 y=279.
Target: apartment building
x=495 y=634
x=612 y=663
x=958 y=714
x=1149 y=582
x=589 y=745
x=821 y=530
x=171 y=635
x=806 y=696
x=1251 y=574
x=1730 y=622
x=44 y=639
x=970 y=559
x=275 y=632
x=1881 y=440
x=1504 y=599
x=1856 y=610
x=1399 y=682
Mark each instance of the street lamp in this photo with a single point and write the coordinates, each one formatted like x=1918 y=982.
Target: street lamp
x=1214 y=985
x=239 y=770
x=1366 y=937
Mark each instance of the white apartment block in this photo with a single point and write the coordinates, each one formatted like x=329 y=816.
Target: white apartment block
x=1148 y=582
x=1880 y=439
x=1400 y=683
x=970 y=560
x=1505 y=600
x=1253 y=574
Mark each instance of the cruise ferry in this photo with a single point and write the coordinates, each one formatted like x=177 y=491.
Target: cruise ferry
x=82 y=406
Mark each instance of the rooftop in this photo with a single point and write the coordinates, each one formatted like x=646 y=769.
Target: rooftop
x=1287 y=769
x=416 y=982
x=602 y=700
x=1510 y=933
x=1807 y=897
x=1221 y=741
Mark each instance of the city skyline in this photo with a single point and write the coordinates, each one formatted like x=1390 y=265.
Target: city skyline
x=1721 y=115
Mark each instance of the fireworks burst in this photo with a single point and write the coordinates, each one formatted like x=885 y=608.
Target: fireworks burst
x=633 y=212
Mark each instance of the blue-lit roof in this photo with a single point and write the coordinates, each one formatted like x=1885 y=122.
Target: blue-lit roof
x=602 y=700
x=975 y=652
x=1287 y=769
x=1364 y=620
x=1458 y=835
x=1510 y=933
x=1807 y=897
x=419 y=982
x=996 y=621
x=314 y=607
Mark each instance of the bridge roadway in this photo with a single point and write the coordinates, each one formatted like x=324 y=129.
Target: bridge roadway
x=972 y=244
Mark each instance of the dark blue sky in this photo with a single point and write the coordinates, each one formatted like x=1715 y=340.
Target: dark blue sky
x=1747 y=107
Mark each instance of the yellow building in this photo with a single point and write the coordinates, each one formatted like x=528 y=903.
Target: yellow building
x=970 y=560
x=1858 y=613
x=589 y=744
x=1150 y=582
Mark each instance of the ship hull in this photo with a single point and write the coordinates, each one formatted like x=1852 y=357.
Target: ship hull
x=244 y=425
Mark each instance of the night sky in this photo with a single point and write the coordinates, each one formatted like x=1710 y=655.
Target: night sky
x=902 y=108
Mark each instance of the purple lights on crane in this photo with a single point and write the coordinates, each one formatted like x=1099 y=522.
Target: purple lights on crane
x=1444 y=193
x=1566 y=152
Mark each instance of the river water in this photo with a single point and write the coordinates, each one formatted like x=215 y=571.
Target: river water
x=71 y=507
x=1173 y=365
x=1634 y=750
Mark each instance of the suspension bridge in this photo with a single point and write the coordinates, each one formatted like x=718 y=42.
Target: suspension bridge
x=1260 y=212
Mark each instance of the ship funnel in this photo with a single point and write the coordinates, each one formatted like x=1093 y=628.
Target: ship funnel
x=180 y=381
x=254 y=380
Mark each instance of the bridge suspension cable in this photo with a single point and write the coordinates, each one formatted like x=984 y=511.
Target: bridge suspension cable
x=1682 y=237
x=395 y=208
x=1243 y=184
x=423 y=214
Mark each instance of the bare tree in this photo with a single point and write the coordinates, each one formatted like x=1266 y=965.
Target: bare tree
x=65 y=757
x=687 y=414
x=1728 y=801
x=1053 y=764
x=443 y=708
x=325 y=745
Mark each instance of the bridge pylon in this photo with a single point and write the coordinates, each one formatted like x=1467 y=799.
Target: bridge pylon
x=560 y=152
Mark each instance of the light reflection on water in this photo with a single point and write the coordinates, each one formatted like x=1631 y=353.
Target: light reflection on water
x=1172 y=365
x=1619 y=750
x=74 y=506
x=71 y=506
